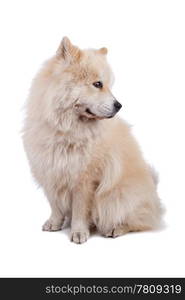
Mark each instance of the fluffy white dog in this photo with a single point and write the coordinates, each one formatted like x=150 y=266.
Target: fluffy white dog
x=85 y=159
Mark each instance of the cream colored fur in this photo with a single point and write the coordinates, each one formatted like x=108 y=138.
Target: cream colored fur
x=88 y=164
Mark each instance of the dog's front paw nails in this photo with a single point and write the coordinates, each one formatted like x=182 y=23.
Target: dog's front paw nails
x=79 y=237
x=50 y=226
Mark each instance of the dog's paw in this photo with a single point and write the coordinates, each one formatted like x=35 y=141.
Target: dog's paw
x=79 y=237
x=50 y=226
x=118 y=231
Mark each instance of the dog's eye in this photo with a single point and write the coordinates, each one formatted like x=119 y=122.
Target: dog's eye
x=98 y=84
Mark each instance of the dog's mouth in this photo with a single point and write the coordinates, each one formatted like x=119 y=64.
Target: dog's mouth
x=90 y=115
x=86 y=113
x=89 y=112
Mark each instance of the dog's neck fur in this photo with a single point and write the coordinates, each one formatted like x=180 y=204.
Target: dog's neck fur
x=71 y=131
x=79 y=131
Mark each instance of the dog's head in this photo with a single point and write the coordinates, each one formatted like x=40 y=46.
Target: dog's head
x=88 y=80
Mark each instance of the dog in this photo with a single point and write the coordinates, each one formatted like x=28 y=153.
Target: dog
x=83 y=156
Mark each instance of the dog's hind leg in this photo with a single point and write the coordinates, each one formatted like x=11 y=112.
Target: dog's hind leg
x=126 y=210
x=118 y=231
x=125 y=228
x=108 y=212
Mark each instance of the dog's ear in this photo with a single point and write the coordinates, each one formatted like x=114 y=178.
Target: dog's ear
x=68 y=51
x=103 y=51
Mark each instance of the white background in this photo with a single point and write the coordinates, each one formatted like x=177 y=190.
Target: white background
x=146 y=42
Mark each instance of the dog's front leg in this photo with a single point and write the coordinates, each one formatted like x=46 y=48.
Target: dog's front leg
x=80 y=212
x=56 y=220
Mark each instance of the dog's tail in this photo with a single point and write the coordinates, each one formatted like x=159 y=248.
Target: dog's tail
x=155 y=174
x=161 y=207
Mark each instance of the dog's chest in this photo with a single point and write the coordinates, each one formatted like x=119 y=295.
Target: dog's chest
x=64 y=163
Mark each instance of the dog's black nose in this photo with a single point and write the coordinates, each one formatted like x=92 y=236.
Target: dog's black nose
x=117 y=105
